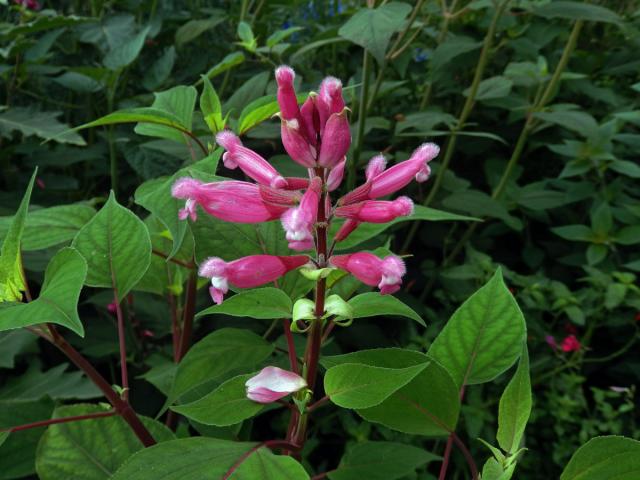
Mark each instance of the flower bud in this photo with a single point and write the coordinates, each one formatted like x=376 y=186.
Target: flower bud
x=371 y=270
x=298 y=222
x=377 y=211
x=273 y=383
x=296 y=144
x=336 y=175
x=329 y=100
x=286 y=93
x=335 y=141
x=375 y=167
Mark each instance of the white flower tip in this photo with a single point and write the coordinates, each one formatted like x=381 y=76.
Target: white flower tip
x=212 y=267
x=185 y=187
x=405 y=205
x=285 y=75
x=228 y=140
x=428 y=150
x=331 y=86
x=375 y=166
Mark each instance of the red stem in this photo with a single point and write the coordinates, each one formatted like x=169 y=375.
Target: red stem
x=188 y=315
x=53 y=421
x=273 y=444
x=174 y=260
x=449 y=447
x=123 y=347
x=318 y=403
x=293 y=358
x=122 y=407
x=445 y=459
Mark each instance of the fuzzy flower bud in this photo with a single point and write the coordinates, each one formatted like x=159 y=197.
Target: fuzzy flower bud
x=377 y=211
x=296 y=144
x=336 y=140
x=384 y=273
x=286 y=93
x=329 y=100
x=336 y=175
x=252 y=164
x=273 y=383
x=246 y=272
x=298 y=222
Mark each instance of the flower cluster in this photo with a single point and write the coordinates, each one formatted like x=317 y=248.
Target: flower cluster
x=316 y=135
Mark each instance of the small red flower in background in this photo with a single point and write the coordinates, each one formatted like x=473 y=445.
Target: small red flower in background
x=570 y=329
x=30 y=4
x=571 y=344
x=112 y=307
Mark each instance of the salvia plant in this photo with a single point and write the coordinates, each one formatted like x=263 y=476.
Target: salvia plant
x=268 y=276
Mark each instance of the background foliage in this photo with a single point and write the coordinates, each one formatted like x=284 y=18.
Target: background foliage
x=535 y=105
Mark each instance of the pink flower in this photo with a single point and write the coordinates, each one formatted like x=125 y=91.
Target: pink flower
x=30 y=4
x=286 y=93
x=377 y=211
x=310 y=120
x=299 y=222
x=296 y=144
x=336 y=140
x=551 y=342
x=231 y=201
x=246 y=272
x=112 y=307
x=336 y=175
x=385 y=273
x=252 y=164
x=571 y=344
x=273 y=383
x=345 y=230
x=398 y=176
x=375 y=167
x=329 y=100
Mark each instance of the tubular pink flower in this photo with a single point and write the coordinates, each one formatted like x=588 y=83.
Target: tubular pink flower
x=336 y=140
x=377 y=211
x=246 y=272
x=252 y=164
x=298 y=222
x=232 y=201
x=375 y=167
x=398 y=176
x=310 y=119
x=358 y=194
x=286 y=93
x=329 y=100
x=296 y=144
x=296 y=183
x=273 y=383
x=384 y=273
x=345 y=230
x=336 y=175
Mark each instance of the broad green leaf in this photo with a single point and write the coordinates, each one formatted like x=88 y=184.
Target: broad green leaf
x=372 y=28
x=515 y=407
x=428 y=405
x=280 y=35
x=479 y=203
x=369 y=230
x=58 y=300
x=136 y=115
x=209 y=359
x=231 y=60
x=51 y=226
x=226 y=405
x=179 y=102
x=11 y=281
x=602 y=220
x=448 y=50
x=195 y=458
x=354 y=385
x=78 y=82
x=90 y=449
x=373 y=304
x=55 y=383
x=257 y=112
x=605 y=458
x=576 y=120
x=124 y=54
x=625 y=167
x=246 y=35
x=116 y=245
x=44 y=125
x=576 y=233
x=265 y=465
x=210 y=107
x=380 y=461
x=484 y=336
x=492 y=88
x=629 y=235
x=160 y=70
x=3 y=437
x=262 y=303
x=18 y=453
x=493 y=470
x=155 y=196
x=194 y=28
x=577 y=11
x=249 y=91
x=13 y=343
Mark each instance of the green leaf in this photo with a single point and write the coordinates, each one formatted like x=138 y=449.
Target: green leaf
x=602 y=220
x=58 y=300
x=448 y=50
x=246 y=35
x=373 y=304
x=18 y=453
x=226 y=405
x=625 y=167
x=353 y=385
x=578 y=121
x=629 y=235
x=91 y=449
x=428 y=405
x=280 y=35
x=47 y=227
x=125 y=53
x=116 y=245
x=262 y=303
x=231 y=60
x=265 y=465
x=365 y=231
x=515 y=407
x=577 y=233
x=55 y=383
x=208 y=360
x=492 y=88
x=13 y=343
x=210 y=107
x=194 y=28
x=577 y=11
x=177 y=102
x=11 y=281
x=3 y=437
x=484 y=336
x=380 y=461
x=372 y=28
x=30 y=122
x=596 y=253
x=605 y=458
x=160 y=70
x=614 y=295
x=479 y=203
x=257 y=112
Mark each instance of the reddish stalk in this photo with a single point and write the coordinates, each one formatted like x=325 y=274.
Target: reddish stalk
x=318 y=403
x=53 y=421
x=449 y=446
x=188 y=315
x=123 y=347
x=122 y=407
x=174 y=260
x=272 y=444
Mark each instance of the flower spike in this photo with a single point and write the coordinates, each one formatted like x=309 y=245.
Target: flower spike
x=385 y=273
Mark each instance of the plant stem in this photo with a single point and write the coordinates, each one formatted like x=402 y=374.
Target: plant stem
x=53 y=421
x=122 y=407
x=291 y=348
x=174 y=260
x=462 y=118
x=272 y=444
x=362 y=117
x=448 y=447
x=124 y=376
x=188 y=315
